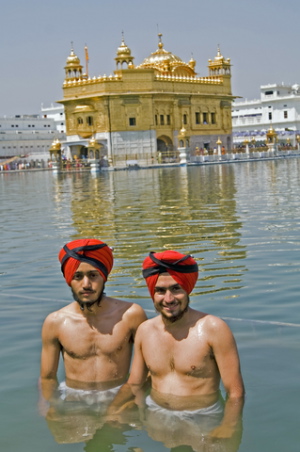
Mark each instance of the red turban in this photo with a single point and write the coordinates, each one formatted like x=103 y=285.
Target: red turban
x=183 y=268
x=90 y=251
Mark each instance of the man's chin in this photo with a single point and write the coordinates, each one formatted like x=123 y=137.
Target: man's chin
x=87 y=304
x=173 y=317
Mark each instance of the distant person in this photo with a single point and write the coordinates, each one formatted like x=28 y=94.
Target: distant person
x=186 y=352
x=94 y=334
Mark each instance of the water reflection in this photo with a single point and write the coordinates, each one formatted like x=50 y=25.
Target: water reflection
x=136 y=429
x=192 y=210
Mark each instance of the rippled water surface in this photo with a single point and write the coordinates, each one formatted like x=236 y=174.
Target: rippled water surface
x=241 y=222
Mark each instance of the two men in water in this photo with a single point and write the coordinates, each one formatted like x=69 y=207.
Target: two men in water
x=186 y=352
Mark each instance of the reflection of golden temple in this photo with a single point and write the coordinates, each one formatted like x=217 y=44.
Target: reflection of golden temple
x=137 y=113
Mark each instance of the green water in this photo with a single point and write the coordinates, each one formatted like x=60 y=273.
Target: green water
x=240 y=221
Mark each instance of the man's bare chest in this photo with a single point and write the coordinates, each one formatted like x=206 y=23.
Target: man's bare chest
x=87 y=341
x=189 y=357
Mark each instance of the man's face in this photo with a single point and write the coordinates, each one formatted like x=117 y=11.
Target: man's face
x=87 y=285
x=170 y=299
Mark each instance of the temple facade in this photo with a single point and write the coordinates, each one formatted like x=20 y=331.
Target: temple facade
x=137 y=114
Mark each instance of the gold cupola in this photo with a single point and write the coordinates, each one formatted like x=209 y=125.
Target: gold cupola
x=73 y=68
x=167 y=63
x=124 y=56
x=220 y=65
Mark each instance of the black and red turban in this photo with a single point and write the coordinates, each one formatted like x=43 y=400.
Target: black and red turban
x=183 y=268
x=90 y=251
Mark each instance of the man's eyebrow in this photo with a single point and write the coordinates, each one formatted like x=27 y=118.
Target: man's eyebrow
x=85 y=273
x=169 y=287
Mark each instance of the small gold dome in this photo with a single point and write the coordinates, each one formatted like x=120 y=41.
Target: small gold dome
x=56 y=145
x=219 y=55
x=123 y=50
x=72 y=59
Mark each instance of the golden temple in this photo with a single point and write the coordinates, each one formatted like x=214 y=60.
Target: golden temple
x=137 y=114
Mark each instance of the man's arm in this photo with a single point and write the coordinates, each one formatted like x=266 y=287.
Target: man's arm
x=137 y=316
x=227 y=359
x=133 y=389
x=49 y=356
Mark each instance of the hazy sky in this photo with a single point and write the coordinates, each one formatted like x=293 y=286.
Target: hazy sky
x=262 y=38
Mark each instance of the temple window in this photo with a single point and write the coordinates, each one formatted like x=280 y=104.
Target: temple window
x=132 y=121
x=156 y=121
x=168 y=120
x=285 y=114
x=162 y=120
x=80 y=121
x=205 y=118
x=184 y=119
x=197 y=117
x=270 y=115
x=90 y=120
x=213 y=118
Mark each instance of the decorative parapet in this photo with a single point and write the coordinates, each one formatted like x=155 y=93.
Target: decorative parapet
x=91 y=81
x=160 y=77
x=184 y=78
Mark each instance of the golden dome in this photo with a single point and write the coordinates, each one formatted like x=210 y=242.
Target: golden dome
x=166 y=62
x=73 y=59
x=219 y=59
x=124 y=56
x=56 y=145
x=160 y=56
x=123 y=50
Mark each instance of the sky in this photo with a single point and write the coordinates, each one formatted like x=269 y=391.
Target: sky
x=260 y=37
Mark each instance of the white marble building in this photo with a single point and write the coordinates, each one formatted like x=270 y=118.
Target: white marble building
x=30 y=136
x=278 y=107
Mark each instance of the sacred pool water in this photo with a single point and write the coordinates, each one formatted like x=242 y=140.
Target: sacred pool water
x=241 y=222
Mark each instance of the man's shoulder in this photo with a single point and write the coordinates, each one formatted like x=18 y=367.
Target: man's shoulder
x=60 y=315
x=210 y=320
x=150 y=324
x=126 y=306
x=214 y=326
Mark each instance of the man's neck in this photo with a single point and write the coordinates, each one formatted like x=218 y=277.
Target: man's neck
x=92 y=310
x=178 y=323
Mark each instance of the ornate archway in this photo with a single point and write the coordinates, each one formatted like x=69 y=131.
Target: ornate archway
x=166 y=153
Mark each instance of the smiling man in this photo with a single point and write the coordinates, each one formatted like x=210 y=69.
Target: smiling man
x=186 y=352
x=94 y=334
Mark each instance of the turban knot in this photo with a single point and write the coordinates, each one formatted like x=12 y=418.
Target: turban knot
x=90 y=251
x=183 y=268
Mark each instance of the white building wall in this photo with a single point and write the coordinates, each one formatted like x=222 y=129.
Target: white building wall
x=27 y=135
x=278 y=107
x=56 y=113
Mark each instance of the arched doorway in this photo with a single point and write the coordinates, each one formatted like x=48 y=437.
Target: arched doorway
x=166 y=153
x=83 y=154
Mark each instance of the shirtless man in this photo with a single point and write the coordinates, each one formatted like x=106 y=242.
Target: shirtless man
x=186 y=352
x=95 y=333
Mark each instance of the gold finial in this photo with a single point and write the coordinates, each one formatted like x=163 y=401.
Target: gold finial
x=160 y=44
